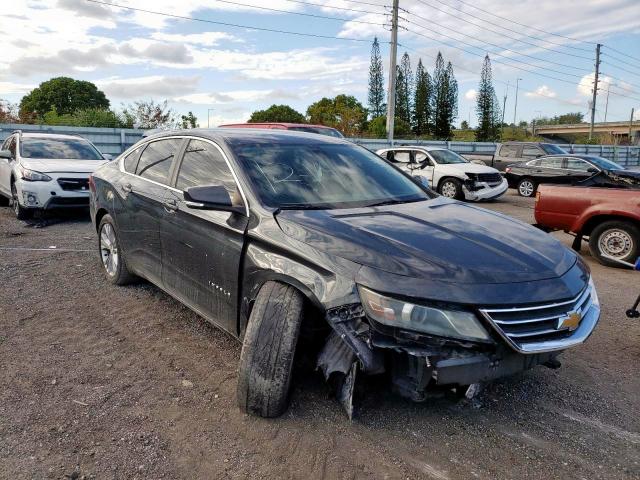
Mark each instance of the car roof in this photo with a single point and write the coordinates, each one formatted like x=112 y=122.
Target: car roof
x=231 y=136
x=282 y=124
x=60 y=136
x=415 y=147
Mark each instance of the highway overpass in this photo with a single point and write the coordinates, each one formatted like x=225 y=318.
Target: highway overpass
x=618 y=129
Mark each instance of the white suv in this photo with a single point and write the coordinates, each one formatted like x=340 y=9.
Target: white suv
x=40 y=171
x=447 y=172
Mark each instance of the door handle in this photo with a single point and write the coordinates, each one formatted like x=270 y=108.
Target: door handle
x=127 y=188
x=171 y=205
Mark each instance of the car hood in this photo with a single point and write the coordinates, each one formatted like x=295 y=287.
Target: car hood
x=465 y=167
x=439 y=239
x=63 y=166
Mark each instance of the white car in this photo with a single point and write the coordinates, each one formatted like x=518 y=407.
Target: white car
x=41 y=171
x=447 y=172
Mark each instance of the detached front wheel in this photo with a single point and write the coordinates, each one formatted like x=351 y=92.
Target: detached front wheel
x=615 y=240
x=268 y=350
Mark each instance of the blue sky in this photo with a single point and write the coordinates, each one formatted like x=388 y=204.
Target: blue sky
x=226 y=73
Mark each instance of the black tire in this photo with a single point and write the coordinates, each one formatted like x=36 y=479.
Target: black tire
x=120 y=274
x=19 y=211
x=448 y=186
x=527 y=187
x=4 y=201
x=268 y=350
x=616 y=238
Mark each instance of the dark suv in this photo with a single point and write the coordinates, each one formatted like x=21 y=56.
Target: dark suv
x=301 y=243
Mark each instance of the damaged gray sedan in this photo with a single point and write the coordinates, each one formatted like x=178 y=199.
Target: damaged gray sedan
x=302 y=245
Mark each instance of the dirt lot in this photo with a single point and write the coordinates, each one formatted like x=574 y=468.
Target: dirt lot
x=99 y=381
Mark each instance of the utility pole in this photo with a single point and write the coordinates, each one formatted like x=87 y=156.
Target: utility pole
x=515 y=109
x=391 y=97
x=504 y=106
x=606 y=105
x=631 y=124
x=595 y=91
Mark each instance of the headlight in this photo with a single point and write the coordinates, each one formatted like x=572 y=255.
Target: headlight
x=472 y=176
x=32 y=176
x=458 y=324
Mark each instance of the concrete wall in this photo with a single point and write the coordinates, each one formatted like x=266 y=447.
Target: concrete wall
x=108 y=140
x=115 y=140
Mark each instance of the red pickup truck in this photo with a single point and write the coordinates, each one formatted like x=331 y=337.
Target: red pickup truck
x=609 y=217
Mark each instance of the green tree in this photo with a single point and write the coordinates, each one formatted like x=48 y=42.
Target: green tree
x=565 y=119
x=422 y=102
x=343 y=112
x=377 y=104
x=404 y=89
x=8 y=112
x=444 y=99
x=88 y=117
x=378 y=127
x=189 y=121
x=464 y=125
x=277 y=113
x=63 y=95
x=487 y=106
x=149 y=114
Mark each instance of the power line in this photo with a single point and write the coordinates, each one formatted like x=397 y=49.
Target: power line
x=522 y=25
x=346 y=9
x=622 y=53
x=498 y=46
x=619 y=80
x=288 y=12
x=497 y=61
x=624 y=61
x=227 y=24
x=518 y=39
x=623 y=69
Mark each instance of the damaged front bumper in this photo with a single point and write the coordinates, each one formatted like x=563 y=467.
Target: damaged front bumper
x=415 y=362
x=476 y=191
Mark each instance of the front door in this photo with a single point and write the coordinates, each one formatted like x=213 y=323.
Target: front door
x=202 y=249
x=424 y=166
x=6 y=165
x=578 y=169
x=143 y=194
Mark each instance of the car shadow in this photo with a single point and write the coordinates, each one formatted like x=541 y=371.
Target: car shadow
x=53 y=217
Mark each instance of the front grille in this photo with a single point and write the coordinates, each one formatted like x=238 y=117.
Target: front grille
x=523 y=327
x=81 y=184
x=490 y=177
x=68 y=202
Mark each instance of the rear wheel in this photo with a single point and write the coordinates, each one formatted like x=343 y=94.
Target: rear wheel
x=526 y=187
x=268 y=350
x=617 y=239
x=111 y=256
x=451 y=188
x=19 y=211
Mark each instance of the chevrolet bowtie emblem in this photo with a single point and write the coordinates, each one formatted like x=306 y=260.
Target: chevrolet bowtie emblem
x=569 y=321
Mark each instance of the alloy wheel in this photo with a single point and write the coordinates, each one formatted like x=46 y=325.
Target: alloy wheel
x=615 y=243
x=449 y=190
x=14 y=200
x=526 y=188
x=109 y=249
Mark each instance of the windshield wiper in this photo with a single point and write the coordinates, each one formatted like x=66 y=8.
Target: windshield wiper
x=299 y=206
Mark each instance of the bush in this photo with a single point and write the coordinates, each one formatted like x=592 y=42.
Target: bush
x=378 y=127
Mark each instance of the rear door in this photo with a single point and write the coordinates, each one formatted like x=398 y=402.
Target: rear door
x=143 y=194
x=549 y=170
x=506 y=155
x=202 y=249
x=425 y=166
x=6 y=165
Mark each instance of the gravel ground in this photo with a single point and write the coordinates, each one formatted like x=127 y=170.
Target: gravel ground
x=98 y=381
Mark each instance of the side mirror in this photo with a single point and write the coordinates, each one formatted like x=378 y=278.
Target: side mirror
x=6 y=154
x=593 y=170
x=210 y=197
x=107 y=156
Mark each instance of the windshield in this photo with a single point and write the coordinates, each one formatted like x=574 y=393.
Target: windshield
x=330 y=132
x=604 y=164
x=324 y=176
x=552 y=149
x=447 y=157
x=58 y=148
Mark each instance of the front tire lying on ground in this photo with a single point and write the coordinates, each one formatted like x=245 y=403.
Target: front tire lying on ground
x=615 y=238
x=268 y=350
x=115 y=267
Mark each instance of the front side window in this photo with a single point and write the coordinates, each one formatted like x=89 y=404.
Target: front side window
x=203 y=164
x=155 y=161
x=323 y=175
x=530 y=151
x=131 y=160
x=604 y=164
x=578 y=164
x=447 y=157
x=10 y=144
x=422 y=158
x=58 y=148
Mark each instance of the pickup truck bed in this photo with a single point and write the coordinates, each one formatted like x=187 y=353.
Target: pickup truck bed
x=609 y=217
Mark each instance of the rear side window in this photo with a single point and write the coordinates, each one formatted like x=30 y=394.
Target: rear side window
x=401 y=157
x=131 y=160
x=509 y=151
x=551 y=162
x=155 y=161
x=578 y=164
x=530 y=151
x=203 y=164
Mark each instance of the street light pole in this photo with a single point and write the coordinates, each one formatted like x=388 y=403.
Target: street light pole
x=595 y=91
x=209 y=110
x=515 y=108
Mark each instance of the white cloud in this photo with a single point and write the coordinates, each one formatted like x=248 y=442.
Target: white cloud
x=542 y=91
x=206 y=39
x=471 y=94
x=150 y=86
